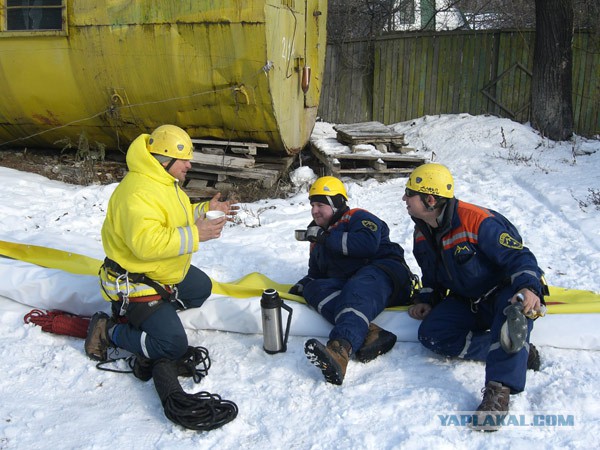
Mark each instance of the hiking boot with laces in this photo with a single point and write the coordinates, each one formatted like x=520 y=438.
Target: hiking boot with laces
x=493 y=407
x=97 y=341
x=533 y=359
x=377 y=342
x=332 y=359
x=513 y=333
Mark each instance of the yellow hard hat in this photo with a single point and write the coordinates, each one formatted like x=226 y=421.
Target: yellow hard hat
x=329 y=186
x=172 y=141
x=432 y=178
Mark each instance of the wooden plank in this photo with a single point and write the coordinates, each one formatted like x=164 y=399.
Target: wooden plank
x=396 y=102
x=191 y=183
x=283 y=161
x=361 y=128
x=229 y=143
x=236 y=147
x=267 y=177
x=212 y=151
x=251 y=173
x=387 y=157
x=377 y=74
x=388 y=81
x=371 y=171
x=195 y=175
x=368 y=133
x=222 y=161
x=243 y=150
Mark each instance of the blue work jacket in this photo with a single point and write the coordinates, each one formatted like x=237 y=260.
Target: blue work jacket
x=357 y=239
x=472 y=251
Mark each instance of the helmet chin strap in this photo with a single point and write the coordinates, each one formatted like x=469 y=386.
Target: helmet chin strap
x=330 y=201
x=168 y=166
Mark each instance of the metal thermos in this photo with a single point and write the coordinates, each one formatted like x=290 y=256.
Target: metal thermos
x=271 y=304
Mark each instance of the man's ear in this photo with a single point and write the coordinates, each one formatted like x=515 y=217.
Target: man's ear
x=431 y=202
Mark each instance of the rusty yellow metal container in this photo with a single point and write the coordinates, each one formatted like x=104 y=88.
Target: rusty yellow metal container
x=110 y=70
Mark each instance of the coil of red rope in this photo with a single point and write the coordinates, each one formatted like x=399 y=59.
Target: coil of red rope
x=59 y=322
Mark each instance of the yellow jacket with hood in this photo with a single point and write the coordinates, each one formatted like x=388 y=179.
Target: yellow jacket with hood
x=149 y=226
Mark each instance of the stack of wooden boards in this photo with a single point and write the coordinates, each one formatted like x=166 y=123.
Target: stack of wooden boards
x=368 y=148
x=222 y=166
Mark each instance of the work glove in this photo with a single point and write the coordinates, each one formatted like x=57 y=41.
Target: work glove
x=316 y=234
x=297 y=289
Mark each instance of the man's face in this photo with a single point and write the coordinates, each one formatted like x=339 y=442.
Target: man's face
x=179 y=169
x=321 y=213
x=414 y=205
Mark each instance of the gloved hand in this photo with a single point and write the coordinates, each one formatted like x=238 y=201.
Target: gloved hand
x=316 y=234
x=297 y=289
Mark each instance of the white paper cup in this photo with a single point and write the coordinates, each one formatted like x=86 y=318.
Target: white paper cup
x=211 y=215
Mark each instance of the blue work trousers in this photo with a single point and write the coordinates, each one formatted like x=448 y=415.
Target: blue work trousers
x=453 y=329
x=350 y=304
x=161 y=334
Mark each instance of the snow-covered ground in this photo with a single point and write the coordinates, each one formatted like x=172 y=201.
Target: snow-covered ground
x=54 y=397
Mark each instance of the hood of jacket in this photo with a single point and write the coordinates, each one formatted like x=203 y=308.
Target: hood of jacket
x=140 y=160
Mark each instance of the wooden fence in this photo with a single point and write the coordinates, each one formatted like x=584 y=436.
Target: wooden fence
x=409 y=75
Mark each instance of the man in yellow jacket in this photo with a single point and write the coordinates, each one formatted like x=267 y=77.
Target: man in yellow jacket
x=149 y=234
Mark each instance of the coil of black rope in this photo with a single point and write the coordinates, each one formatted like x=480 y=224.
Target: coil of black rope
x=194 y=363
x=201 y=411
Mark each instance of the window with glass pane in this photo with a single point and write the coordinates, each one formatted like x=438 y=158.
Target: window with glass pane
x=27 y=15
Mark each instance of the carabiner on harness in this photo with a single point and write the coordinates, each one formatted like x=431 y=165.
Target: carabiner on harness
x=488 y=294
x=123 y=296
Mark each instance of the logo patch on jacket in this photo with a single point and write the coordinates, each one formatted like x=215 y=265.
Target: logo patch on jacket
x=462 y=249
x=507 y=240
x=370 y=225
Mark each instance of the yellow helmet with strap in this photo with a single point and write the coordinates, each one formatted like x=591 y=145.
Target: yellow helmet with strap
x=329 y=186
x=432 y=178
x=171 y=141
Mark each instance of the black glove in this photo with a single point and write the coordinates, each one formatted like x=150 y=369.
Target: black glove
x=316 y=234
x=297 y=289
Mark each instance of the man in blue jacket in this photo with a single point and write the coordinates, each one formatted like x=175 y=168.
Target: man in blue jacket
x=354 y=272
x=481 y=287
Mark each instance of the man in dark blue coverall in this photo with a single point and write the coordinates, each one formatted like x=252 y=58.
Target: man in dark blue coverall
x=354 y=273
x=474 y=267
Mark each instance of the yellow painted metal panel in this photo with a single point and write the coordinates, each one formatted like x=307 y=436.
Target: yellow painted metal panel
x=221 y=70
